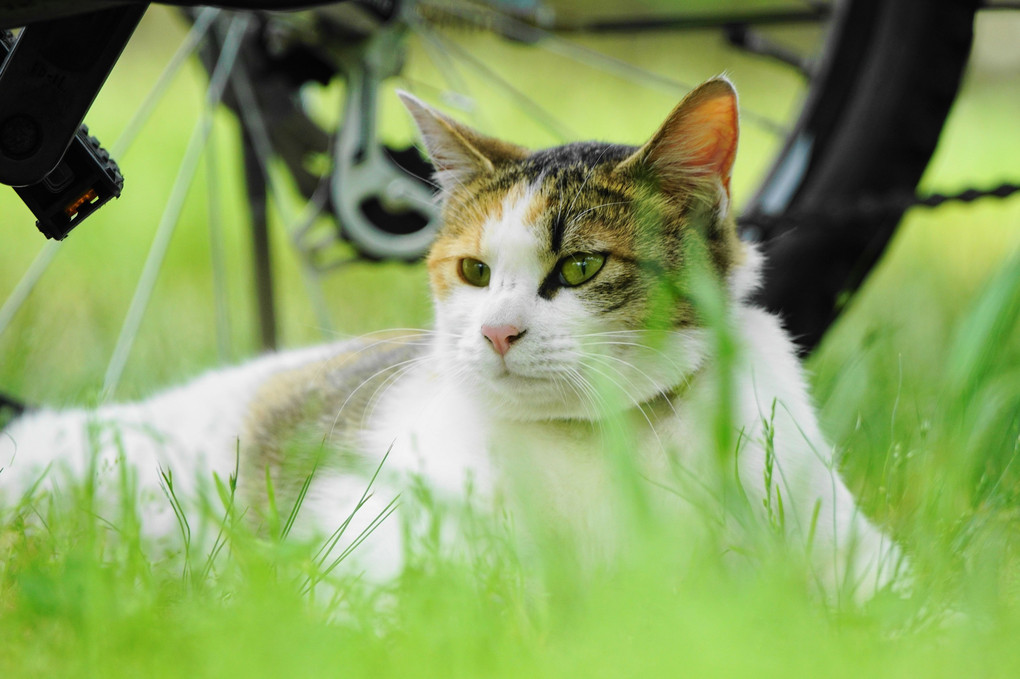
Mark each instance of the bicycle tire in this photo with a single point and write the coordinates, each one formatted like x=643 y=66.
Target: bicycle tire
x=871 y=125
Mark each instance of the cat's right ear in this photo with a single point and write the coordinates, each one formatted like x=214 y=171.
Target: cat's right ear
x=694 y=149
x=458 y=152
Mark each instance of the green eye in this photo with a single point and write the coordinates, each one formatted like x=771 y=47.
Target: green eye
x=474 y=272
x=579 y=267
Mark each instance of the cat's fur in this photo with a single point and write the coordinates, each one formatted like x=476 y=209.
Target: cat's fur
x=526 y=381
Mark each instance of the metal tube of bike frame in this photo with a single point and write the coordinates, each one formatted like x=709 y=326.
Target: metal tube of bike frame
x=47 y=85
x=15 y=13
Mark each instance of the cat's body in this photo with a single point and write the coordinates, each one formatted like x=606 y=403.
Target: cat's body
x=567 y=300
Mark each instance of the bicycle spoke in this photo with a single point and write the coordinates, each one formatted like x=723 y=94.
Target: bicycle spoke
x=540 y=114
x=187 y=48
x=586 y=56
x=448 y=70
x=27 y=283
x=317 y=241
x=172 y=211
x=255 y=124
x=217 y=253
x=812 y=12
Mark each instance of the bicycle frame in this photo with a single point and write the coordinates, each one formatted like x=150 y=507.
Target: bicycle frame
x=18 y=13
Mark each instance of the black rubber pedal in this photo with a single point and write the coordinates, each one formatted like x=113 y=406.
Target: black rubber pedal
x=85 y=179
x=49 y=77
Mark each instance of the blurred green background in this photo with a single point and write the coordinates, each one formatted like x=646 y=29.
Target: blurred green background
x=876 y=377
x=57 y=346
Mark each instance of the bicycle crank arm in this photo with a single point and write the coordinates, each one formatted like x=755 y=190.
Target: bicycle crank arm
x=48 y=81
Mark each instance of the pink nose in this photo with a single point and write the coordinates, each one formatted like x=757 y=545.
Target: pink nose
x=501 y=337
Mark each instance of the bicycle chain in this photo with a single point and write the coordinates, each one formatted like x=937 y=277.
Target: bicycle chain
x=866 y=208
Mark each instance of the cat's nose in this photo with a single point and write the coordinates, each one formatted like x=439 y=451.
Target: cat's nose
x=501 y=336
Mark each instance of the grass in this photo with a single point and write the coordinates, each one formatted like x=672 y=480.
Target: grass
x=918 y=385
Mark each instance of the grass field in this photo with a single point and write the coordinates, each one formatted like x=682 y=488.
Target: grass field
x=918 y=387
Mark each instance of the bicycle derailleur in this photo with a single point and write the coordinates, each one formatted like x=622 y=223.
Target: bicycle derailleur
x=380 y=199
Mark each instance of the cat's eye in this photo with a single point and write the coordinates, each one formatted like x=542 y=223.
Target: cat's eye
x=474 y=272
x=580 y=267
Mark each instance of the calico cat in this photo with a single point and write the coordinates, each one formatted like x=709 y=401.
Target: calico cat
x=573 y=292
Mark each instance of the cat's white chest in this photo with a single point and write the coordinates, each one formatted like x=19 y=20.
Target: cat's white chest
x=430 y=428
x=567 y=480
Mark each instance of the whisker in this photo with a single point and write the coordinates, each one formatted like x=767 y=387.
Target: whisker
x=591 y=362
x=679 y=367
x=673 y=362
x=585 y=182
x=591 y=397
x=585 y=392
x=386 y=336
x=639 y=406
x=575 y=218
x=395 y=366
x=642 y=373
x=390 y=380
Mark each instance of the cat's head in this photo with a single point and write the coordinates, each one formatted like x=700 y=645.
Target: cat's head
x=559 y=273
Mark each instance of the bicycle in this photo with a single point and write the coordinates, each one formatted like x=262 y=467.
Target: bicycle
x=868 y=125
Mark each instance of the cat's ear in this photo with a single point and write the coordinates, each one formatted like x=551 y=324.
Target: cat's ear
x=458 y=152
x=693 y=151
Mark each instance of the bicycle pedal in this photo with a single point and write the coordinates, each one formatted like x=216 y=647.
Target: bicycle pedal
x=49 y=77
x=84 y=180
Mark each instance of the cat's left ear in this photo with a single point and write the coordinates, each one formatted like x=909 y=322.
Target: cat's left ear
x=458 y=152
x=693 y=151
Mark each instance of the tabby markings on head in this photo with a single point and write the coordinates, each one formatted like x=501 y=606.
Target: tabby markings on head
x=637 y=207
x=545 y=257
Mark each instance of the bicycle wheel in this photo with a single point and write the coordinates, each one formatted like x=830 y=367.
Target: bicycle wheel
x=805 y=71
x=876 y=96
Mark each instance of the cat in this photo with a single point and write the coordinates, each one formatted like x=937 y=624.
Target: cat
x=573 y=291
